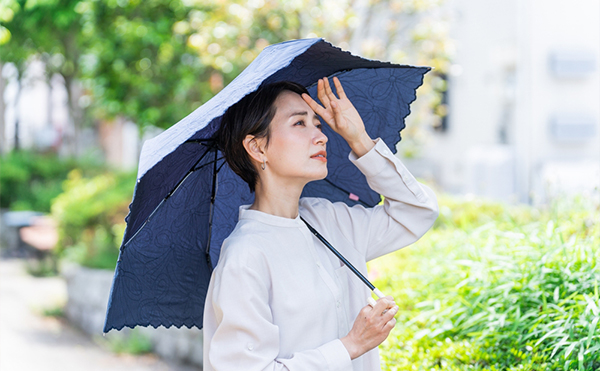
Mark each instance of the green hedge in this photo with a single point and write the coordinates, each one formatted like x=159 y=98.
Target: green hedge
x=90 y=215
x=30 y=180
x=493 y=287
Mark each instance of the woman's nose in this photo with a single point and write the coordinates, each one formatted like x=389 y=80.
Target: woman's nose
x=320 y=137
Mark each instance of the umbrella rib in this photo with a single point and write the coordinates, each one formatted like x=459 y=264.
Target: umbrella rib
x=169 y=195
x=222 y=164
x=210 y=163
x=190 y=171
x=201 y=141
x=343 y=190
x=212 y=205
x=145 y=222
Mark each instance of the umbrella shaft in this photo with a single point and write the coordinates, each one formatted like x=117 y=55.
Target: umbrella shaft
x=343 y=259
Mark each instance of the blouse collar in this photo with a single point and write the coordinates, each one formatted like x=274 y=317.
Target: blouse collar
x=259 y=216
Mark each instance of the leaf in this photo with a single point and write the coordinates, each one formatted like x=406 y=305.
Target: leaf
x=570 y=349
x=562 y=342
x=591 y=305
x=580 y=358
x=591 y=331
x=422 y=333
x=548 y=334
x=592 y=349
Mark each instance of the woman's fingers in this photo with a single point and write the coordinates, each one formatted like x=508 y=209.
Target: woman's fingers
x=372 y=326
x=390 y=325
x=389 y=314
x=322 y=94
x=315 y=106
x=339 y=88
x=328 y=90
x=330 y=114
x=337 y=113
x=330 y=94
x=385 y=307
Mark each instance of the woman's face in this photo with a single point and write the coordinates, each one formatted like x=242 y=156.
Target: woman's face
x=296 y=148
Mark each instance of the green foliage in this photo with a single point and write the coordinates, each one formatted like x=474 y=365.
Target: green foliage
x=29 y=180
x=90 y=215
x=43 y=27
x=16 y=45
x=134 y=342
x=153 y=62
x=136 y=65
x=498 y=288
x=57 y=311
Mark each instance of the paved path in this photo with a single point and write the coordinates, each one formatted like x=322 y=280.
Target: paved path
x=31 y=341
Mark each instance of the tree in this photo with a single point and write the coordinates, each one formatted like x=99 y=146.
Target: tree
x=227 y=36
x=47 y=27
x=5 y=15
x=155 y=61
x=136 y=64
x=16 y=48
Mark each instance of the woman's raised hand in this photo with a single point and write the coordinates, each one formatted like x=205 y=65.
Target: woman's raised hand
x=371 y=327
x=340 y=115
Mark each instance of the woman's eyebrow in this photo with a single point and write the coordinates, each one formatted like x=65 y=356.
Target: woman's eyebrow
x=299 y=113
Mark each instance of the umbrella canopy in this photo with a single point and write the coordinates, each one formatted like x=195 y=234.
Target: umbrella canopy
x=186 y=199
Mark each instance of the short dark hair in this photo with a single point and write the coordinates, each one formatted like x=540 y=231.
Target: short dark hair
x=252 y=115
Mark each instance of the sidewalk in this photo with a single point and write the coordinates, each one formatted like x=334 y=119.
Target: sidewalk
x=31 y=341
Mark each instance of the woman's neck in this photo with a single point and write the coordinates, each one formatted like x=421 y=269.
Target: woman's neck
x=277 y=199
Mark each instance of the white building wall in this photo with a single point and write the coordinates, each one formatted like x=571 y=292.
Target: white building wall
x=504 y=96
x=552 y=29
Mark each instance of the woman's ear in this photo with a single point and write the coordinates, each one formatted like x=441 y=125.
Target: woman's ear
x=254 y=147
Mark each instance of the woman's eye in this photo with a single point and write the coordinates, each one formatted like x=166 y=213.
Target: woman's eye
x=299 y=123
x=319 y=126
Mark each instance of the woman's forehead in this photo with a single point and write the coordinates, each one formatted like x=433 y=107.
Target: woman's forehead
x=290 y=104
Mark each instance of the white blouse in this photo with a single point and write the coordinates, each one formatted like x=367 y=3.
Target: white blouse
x=279 y=300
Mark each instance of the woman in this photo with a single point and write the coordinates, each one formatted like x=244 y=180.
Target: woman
x=277 y=299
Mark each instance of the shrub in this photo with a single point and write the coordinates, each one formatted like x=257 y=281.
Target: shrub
x=90 y=215
x=498 y=288
x=30 y=180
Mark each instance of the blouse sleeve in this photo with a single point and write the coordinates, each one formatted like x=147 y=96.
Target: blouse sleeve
x=246 y=337
x=408 y=211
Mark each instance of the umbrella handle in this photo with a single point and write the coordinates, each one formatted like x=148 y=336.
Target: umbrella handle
x=372 y=301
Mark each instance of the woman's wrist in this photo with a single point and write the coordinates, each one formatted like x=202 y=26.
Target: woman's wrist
x=351 y=347
x=362 y=145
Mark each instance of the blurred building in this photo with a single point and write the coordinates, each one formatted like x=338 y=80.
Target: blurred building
x=524 y=100
x=40 y=106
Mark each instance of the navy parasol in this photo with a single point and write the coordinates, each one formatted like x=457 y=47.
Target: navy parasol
x=186 y=199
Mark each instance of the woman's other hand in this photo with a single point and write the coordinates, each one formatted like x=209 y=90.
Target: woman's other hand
x=371 y=327
x=340 y=115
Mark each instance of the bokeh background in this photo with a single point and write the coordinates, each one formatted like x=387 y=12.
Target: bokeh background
x=505 y=128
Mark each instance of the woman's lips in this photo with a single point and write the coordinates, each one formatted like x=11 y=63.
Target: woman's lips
x=321 y=156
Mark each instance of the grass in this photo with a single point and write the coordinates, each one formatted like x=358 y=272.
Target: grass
x=493 y=287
